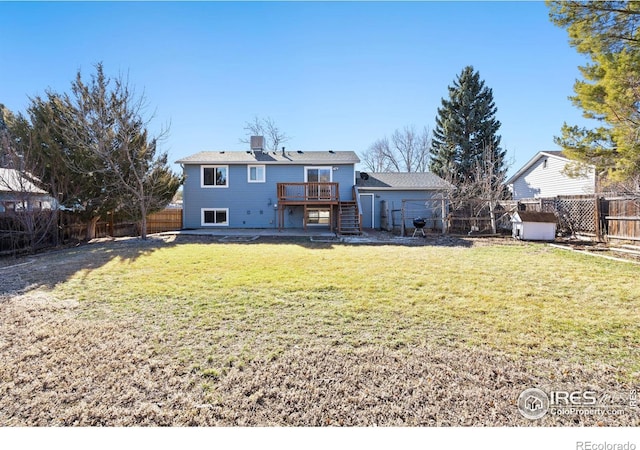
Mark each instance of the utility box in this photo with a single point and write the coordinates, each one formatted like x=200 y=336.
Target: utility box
x=534 y=226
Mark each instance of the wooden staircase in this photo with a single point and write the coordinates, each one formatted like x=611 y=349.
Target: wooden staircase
x=349 y=218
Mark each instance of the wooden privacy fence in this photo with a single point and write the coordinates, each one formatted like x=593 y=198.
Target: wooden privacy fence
x=169 y=219
x=165 y=220
x=601 y=217
x=474 y=216
x=622 y=218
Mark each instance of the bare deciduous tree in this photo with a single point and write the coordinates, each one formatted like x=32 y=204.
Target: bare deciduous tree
x=375 y=159
x=480 y=190
x=29 y=215
x=266 y=127
x=407 y=151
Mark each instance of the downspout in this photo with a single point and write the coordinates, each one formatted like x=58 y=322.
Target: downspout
x=184 y=192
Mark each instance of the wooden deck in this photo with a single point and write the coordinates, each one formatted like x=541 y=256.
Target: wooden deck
x=326 y=195
x=311 y=193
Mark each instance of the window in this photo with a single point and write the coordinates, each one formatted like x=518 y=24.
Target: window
x=215 y=176
x=318 y=216
x=318 y=174
x=9 y=206
x=255 y=174
x=215 y=217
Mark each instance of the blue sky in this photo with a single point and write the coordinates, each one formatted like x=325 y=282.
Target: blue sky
x=333 y=75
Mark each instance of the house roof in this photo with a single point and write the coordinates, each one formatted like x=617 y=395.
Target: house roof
x=535 y=216
x=295 y=157
x=11 y=180
x=536 y=157
x=402 y=181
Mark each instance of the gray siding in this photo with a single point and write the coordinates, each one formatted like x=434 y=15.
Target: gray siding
x=549 y=181
x=252 y=205
x=414 y=209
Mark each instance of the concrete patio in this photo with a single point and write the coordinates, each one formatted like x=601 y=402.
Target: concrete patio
x=289 y=232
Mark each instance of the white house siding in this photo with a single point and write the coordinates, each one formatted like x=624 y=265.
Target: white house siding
x=550 y=181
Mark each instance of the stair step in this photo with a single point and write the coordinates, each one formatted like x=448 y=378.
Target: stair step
x=349 y=218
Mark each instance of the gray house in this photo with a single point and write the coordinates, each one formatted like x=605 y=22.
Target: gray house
x=261 y=189
x=18 y=192
x=544 y=176
x=394 y=199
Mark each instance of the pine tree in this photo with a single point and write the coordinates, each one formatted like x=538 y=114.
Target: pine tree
x=465 y=128
x=608 y=34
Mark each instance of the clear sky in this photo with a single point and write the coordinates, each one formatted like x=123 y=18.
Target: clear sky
x=333 y=75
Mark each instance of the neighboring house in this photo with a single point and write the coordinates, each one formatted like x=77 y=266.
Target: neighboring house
x=19 y=193
x=543 y=176
x=261 y=189
x=390 y=197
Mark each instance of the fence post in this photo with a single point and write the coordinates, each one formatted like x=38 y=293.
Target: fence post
x=596 y=217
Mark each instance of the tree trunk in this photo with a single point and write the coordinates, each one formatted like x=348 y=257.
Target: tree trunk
x=143 y=228
x=91 y=228
x=143 y=221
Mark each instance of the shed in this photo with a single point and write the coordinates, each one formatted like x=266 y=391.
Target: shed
x=534 y=226
x=381 y=194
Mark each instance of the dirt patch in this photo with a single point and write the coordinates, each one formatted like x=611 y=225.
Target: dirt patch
x=63 y=368
x=59 y=369
x=377 y=387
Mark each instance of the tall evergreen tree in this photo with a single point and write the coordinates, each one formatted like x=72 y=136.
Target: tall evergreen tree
x=465 y=128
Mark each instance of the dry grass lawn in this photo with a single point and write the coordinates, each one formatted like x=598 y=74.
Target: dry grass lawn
x=185 y=331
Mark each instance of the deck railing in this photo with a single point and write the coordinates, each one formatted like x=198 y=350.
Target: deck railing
x=308 y=192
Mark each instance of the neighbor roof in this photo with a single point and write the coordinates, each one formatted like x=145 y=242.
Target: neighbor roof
x=409 y=181
x=295 y=157
x=12 y=180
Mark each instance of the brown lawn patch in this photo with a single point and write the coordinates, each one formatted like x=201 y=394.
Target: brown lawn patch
x=155 y=334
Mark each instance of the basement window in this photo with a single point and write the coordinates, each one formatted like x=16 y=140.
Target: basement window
x=215 y=217
x=318 y=216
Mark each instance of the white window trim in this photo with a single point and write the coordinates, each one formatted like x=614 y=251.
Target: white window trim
x=329 y=168
x=202 y=222
x=213 y=186
x=264 y=173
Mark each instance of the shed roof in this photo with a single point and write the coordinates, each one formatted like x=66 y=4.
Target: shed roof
x=535 y=216
x=263 y=157
x=410 y=181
